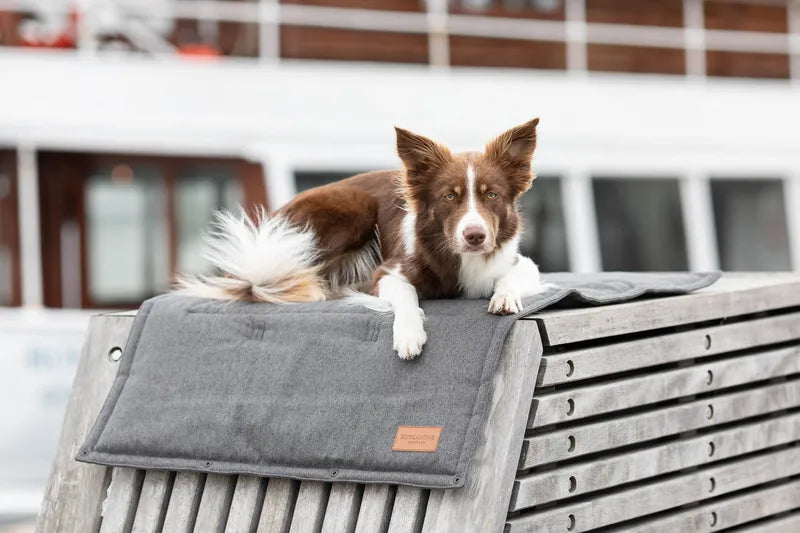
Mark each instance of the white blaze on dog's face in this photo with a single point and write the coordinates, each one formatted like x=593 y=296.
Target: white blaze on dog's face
x=470 y=197
x=472 y=233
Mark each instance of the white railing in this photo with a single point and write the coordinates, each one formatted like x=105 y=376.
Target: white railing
x=145 y=24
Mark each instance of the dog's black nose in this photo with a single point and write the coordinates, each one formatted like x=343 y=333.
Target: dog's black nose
x=474 y=235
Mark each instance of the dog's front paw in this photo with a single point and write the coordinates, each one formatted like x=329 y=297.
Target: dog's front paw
x=409 y=336
x=506 y=303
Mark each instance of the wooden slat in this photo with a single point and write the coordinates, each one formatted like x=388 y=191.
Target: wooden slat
x=309 y=510
x=279 y=501
x=75 y=491
x=248 y=500
x=119 y=509
x=342 y=510
x=567 y=367
x=732 y=295
x=612 y=433
x=184 y=502
x=785 y=524
x=408 y=512
x=153 y=501
x=376 y=509
x=636 y=465
x=658 y=496
x=569 y=405
x=215 y=503
x=725 y=513
x=493 y=466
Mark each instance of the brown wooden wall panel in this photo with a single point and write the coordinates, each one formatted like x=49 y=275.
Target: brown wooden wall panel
x=238 y=39
x=745 y=16
x=387 y=5
x=9 y=29
x=468 y=51
x=644 y=12
x=640 y=59
x=747 y=64
x=305 y=42
x=235 y=39
x=499 y=8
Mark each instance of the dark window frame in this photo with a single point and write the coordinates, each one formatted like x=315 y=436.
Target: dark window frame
x=63 y=177
x=9 y=228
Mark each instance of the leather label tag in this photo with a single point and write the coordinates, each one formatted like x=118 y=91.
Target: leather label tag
x=417 y=439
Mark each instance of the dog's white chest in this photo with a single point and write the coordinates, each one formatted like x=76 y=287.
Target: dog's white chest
x=478 y=275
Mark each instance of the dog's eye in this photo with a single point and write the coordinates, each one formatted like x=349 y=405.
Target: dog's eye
x=449 y=196
x=491 y=195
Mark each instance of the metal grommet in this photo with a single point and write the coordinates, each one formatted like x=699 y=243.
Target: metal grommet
x=115 y=354
x=457 y=480
x=334 y=473
x=208 y=464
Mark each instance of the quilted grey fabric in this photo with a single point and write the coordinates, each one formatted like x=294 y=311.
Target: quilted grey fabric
x=315 y=391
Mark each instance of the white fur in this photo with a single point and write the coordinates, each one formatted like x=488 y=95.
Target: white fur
x=519 y=281
x=408 y=330
x=362 y=299
x=265 y=255
x=409 y=231
x=479 y=274
x=471 y=217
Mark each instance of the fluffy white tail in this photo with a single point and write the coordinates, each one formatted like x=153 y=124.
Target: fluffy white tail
x=264 y=260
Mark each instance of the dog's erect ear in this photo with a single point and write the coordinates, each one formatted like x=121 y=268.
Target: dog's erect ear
x=513 y=150
x=420 y=154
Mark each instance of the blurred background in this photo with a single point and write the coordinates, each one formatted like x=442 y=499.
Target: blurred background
x=668 y=141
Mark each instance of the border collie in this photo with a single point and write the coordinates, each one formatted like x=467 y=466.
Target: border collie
x=445 y=226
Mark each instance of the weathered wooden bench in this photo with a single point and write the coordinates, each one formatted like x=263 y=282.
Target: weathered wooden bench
x=663 y=414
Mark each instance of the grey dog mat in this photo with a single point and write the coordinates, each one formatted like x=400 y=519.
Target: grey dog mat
x=315 y=391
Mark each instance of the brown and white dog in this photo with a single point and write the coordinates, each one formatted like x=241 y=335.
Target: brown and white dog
x=446 y=226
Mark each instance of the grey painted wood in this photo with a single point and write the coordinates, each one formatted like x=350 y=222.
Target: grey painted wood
x=708 y=482
x=248 y=500
x=215 y=503
x=725 y=513
x=732 y=295
x=75 y=491
x=119 y=509
x=611 y=396
x=408 y=512
x=570 y=366
x=309 y=511
x=493 y=466
x=615 y=432
x=785 y=524
x=342 y=510
x=279 y=502
x=376 y=509
x=184 y=502
x=153 y=501
x=574 y=479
